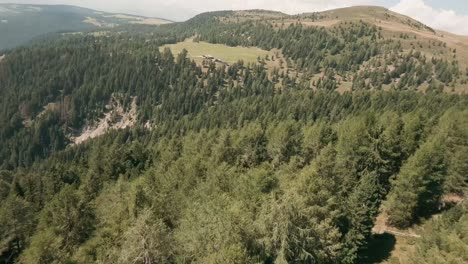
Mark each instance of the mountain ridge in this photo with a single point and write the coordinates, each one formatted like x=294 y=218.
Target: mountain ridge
x=394 y=25
x=361 y=10
x=20 y=23
x=281 y=139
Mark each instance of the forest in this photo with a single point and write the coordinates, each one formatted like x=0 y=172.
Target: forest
x=230 y=164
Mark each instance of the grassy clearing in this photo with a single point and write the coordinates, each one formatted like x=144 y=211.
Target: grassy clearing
x=219 y=51
x=404 y=249
x=232 y=55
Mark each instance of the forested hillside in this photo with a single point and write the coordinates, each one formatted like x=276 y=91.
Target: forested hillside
x=289 y=159
x=20 y=24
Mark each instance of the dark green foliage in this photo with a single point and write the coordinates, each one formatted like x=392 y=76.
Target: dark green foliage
x=16 y=225
x=232 y=169
x=362 y=209
x=417 y=189
x=278 y=193
x=445 y=241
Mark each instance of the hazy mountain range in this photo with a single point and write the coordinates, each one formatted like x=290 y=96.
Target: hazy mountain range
x=21 y=23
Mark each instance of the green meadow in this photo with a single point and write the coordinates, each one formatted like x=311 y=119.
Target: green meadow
x=219 y=51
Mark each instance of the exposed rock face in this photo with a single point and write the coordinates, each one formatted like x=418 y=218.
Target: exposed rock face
x=116 y=118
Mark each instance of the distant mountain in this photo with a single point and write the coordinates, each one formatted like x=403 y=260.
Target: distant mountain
x=21 y=23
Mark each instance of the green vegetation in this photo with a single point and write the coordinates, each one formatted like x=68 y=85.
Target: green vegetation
x=442 y=240
x=222 y=52
x=230 y=164
x=20 y=24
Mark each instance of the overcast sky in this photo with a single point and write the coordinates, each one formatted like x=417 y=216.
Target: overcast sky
x=449 y=15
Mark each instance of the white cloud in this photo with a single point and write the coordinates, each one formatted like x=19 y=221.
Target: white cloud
x=442 y=19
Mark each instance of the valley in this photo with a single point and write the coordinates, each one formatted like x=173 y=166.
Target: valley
x=23 y=23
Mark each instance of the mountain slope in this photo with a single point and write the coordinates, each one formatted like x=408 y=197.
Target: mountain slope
x=366 y=46
x=370 y=14
x=392 y=23
x=114 y=149
x=351 y=55
x=21 y=23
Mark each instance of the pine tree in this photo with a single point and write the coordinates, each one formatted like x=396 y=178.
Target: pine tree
x=363 y=207
x=417 y=189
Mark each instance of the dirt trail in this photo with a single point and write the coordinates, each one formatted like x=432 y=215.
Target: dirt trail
x=396 y=233
x=381 y=227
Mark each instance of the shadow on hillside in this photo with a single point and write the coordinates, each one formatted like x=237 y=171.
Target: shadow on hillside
x=380 y=248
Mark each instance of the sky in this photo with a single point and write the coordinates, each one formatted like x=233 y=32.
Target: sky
x=449 y=15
